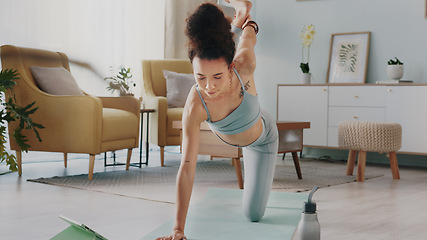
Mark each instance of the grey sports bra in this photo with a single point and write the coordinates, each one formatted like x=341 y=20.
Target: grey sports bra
x=241 y=119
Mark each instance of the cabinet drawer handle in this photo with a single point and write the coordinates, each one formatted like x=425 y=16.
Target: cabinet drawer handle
x=324 y=89
x=388 y=90
x=355 y=96
x=355 y=117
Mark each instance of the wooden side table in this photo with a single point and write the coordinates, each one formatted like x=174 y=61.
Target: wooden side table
x=211 y=145
x=290 y=140
x=147 y=111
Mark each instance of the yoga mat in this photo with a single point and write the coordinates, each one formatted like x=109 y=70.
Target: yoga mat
x=219 y=215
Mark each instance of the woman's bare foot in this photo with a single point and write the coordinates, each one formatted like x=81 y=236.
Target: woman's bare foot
x=242 y=8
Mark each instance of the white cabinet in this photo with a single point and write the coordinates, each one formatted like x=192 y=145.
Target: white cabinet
x=357 y=96
x=407 y=105
x=354 y=103
x=306 y=104
x=341 y=114
x=325 y=106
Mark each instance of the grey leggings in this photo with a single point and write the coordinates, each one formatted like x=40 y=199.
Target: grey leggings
x=259 y=159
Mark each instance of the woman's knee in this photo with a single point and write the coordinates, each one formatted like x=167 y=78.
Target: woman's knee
x=254 y=214
x=255 y=202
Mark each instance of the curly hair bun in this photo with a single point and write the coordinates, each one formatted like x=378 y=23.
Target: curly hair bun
x=209 y=34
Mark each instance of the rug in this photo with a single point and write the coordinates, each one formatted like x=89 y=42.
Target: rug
x=158 y=183
x=219 y=216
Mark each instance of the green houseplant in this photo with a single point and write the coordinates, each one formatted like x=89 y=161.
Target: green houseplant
x=394 y=62
x=395 y=69
x=10 y=112
x=121 y=82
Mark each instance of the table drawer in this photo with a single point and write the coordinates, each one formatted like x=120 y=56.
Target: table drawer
x=341 y=114
x=357 y=96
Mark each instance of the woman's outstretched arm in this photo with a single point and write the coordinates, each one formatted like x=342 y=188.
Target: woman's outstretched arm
x=186 y=173
x=192 y=117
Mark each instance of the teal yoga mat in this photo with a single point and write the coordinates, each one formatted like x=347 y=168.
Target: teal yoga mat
x=219 y=215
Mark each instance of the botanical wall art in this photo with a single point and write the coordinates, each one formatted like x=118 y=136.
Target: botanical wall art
x=348 y=57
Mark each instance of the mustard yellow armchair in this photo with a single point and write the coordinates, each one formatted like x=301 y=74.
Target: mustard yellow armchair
x=161 y=131
x=73 y=124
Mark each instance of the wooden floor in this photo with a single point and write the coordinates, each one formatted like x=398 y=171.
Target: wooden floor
x=380 y=208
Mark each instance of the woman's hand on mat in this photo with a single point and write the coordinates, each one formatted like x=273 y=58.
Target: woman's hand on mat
x=176 y=235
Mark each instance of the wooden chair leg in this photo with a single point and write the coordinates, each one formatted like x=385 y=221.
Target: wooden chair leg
x=162 y=156
x=91 y=166
x=128 y=158
x=212 y=158
x=65 y=159
x=238 y=168
x=393 y=165
x=350 y=161
x=19 y=162
x=284 y=155
x=296 y=163
x=361 y=163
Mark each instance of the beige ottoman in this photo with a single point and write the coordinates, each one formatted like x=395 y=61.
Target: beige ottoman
x=370 y=137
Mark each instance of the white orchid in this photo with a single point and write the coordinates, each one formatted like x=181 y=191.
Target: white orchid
x=307 y=36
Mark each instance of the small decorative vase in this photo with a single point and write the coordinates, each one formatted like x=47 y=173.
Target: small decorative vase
x=306 y=78
x=123 y=94
x=395 y=72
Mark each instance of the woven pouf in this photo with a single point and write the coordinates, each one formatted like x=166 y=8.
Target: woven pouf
x=365 y=137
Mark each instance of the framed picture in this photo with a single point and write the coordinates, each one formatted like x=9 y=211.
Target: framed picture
x=348 y=57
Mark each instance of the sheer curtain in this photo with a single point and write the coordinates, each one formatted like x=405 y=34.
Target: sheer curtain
x=94 y=34
x=176 y=13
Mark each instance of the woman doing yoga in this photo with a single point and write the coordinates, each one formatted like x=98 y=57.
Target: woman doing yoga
x=226 y=98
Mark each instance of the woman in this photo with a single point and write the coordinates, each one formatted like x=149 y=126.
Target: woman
x=226 y=98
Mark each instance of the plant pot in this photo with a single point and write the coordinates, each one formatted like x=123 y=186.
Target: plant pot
x=305 y=78
x=395 y=72
x=126 y=94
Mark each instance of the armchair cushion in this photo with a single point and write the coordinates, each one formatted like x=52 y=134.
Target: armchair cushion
x=118 y=124
x=178 y=86
x=55 y=81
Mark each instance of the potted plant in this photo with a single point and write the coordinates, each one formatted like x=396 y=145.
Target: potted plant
x=121 y=82
x=307 y=35
x=12 y=112
x=395 y=69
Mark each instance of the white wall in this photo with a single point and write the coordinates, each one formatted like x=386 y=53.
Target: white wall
x=398 y=29
x=100 y=33
x=113 y=32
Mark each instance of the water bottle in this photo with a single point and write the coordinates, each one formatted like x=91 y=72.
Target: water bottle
x=308 y=227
